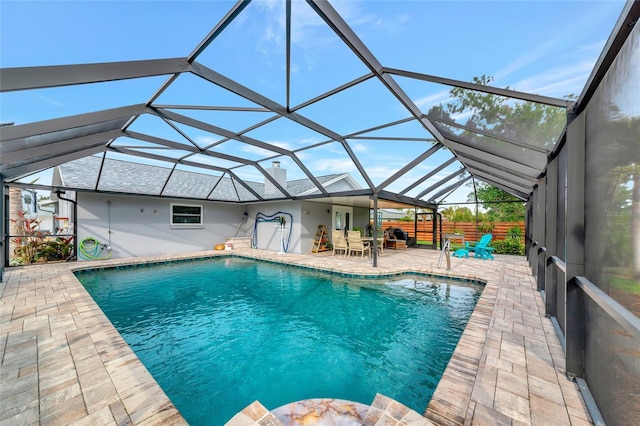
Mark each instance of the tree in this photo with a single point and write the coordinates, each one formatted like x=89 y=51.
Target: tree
x=537 y=124
x=500 y=205
x=458 y=214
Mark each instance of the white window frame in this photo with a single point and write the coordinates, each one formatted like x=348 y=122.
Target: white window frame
x=186 y=225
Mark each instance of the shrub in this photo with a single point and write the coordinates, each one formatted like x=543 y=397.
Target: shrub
x=508 y=246
x=486 y=227
x=34 y=245
x=514 y=233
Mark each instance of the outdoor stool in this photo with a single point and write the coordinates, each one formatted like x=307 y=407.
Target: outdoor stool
x=461 y=253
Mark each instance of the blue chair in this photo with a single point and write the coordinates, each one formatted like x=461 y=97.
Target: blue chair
x=481 y=248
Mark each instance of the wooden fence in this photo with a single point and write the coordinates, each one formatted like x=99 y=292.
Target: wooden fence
x=425 y=229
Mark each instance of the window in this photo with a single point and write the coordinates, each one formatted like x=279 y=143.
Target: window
x=186 y=216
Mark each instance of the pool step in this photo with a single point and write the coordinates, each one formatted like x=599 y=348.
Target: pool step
x=383 y=411
x=240 y=242
x=254 y=414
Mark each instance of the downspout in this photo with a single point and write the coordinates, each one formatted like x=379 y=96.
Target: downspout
x=75 y=220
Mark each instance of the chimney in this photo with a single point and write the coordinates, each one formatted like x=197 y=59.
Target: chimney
x=279 y=175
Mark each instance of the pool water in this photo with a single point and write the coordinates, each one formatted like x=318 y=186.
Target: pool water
x=220 y=334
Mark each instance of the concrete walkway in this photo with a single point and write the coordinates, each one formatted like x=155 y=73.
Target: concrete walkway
x=64 y=363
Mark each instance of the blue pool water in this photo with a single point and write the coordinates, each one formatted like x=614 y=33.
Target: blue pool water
x=220 y=334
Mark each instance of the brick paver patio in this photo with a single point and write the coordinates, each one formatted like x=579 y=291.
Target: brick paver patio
x=64 y=363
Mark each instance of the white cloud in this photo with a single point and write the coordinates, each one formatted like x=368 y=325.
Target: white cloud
x=559 y=81
x=358 y=147
x=431 y=100
x=251 y=149
x=205 y=140
x=50 y=101
x=334 y=165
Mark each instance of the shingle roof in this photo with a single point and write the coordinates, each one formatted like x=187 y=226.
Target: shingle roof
x=137 y=178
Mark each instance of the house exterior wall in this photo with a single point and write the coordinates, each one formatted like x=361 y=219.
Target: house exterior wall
x=140 y=226
x=314 y=214
x=361 y=217
x=268 y=235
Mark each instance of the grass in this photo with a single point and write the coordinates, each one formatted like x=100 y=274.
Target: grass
x=626 y=284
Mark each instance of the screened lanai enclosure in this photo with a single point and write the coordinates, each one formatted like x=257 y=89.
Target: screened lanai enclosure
x=264 y=103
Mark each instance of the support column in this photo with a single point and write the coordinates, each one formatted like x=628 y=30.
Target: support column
x=374 y=248
x=574 y=234
x=541 y=257
x=551 y=216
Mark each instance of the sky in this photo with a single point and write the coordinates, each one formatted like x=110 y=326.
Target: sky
x=542 y=47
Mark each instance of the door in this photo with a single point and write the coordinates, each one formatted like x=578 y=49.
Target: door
x=342 y=217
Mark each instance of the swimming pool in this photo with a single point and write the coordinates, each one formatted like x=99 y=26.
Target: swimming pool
x=222 y=333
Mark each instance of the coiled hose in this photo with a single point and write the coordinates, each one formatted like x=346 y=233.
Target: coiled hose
x=92 y=249
x=278 y=217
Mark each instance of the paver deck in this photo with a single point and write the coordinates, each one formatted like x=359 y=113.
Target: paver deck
x=64 y=363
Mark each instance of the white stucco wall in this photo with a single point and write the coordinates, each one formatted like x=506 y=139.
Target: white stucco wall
x=268 y=233
x=140 y=226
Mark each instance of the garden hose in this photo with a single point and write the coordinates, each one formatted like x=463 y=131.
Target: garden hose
x=92 y=249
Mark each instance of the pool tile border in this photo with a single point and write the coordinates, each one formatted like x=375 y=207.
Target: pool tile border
x=289 y=265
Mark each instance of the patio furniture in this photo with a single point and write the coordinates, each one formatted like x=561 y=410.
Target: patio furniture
x=481 y=248
x=356 y=245
x=339 y=242
x=461 y=253
x=454 y=237
x=380 y=244
x=394 y=243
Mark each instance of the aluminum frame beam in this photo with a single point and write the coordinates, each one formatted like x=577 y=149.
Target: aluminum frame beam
x=488 y=134
x=500 y=174
x=241 y=138
x=461 y=150
x=483 y=164
x=340 y=27
x=28 y=78
x=508 y=93
x=188 y=163
x=24 y=131
x=227 y=157
x=450 y=188
x=38 y=166
x=496 y=151
x=440 y=183
x=428 y=153
x=509 y=184
x=429 y=175
x=523 y=196
x=56 y=149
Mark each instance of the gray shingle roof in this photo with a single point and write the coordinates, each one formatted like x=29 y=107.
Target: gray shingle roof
x=136 y=178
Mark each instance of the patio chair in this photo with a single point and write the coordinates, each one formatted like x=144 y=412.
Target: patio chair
x=356 y=245
x=481 y=248
x=380 y=244
x=339 y=242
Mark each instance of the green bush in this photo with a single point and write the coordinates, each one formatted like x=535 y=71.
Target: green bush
x=508 y=246
x=514 y=233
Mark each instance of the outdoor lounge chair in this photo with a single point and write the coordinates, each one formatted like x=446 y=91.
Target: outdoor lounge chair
x=339 y=242
x=481 y=248
x=356 y=245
